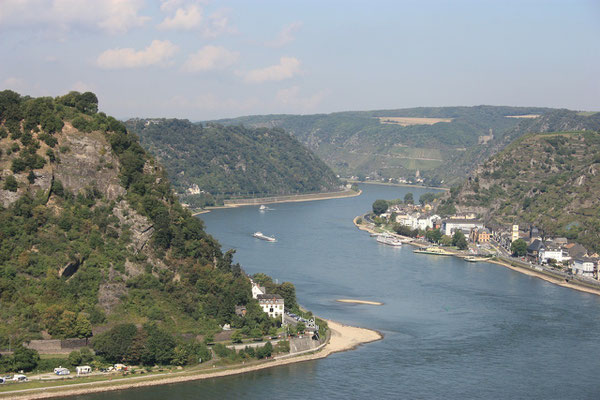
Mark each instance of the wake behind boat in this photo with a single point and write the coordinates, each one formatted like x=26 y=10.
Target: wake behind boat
x=261 y=236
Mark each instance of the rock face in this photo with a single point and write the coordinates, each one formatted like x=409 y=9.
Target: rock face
x=141 y=228
x=89 y=163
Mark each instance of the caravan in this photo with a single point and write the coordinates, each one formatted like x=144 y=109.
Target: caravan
x=61 y=371
x=83 y=370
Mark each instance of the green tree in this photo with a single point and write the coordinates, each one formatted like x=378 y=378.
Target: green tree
x=256 y=334
x=300 y=327
x=160 y=346
x=287 y=290
x=518 y=248
x=75 y=358
x=380 y=206
x=236 y=337
x=86 y=355
x=11 y=183
x=83 y=327
x=24 y=359
x=112 y=345
x=433 y=235
x=408 y=198
x=459 y=240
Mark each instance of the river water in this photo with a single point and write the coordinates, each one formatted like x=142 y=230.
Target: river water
x=452 y=329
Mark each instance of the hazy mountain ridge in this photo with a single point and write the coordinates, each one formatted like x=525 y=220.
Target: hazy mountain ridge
x=358 y=143
x=228 y=161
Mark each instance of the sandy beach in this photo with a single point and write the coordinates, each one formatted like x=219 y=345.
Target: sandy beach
x=343 y=338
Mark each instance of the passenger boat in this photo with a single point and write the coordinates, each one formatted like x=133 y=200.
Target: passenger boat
x=261 y=236
x=389 y=240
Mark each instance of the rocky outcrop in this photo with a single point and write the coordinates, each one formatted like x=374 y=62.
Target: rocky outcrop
x=88 y=162
x=140 y=226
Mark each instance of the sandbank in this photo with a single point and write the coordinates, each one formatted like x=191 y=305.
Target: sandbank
x=373 y=303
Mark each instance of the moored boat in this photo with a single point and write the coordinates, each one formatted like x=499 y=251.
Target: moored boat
x=389 y=240
x=433 y=250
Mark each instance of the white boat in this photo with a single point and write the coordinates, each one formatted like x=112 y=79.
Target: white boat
x=263 y=208
x=261 y=236
x=389 y=240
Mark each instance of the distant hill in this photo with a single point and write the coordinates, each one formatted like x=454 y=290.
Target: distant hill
x=232 y=161
x=443 y=143
x=91 y=234
x=550 y=180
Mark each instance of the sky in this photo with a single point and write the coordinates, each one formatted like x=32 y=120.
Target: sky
x=206 y=60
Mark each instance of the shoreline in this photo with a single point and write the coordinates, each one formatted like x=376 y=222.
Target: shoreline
x=297 y=198
x=342 y=338
x=399 y=184
x=526 y=271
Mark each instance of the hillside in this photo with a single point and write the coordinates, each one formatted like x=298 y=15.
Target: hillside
x=550 y=180
x=232 y=161
x=442 y=143
x=92 y=235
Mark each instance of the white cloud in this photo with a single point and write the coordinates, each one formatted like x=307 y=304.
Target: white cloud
x=287 y=68
x=13 y=83
x=291 y=97
x=184 y=18
x=157 y=53
x=113 y=16
x=210 y=57
x=190 y=17
x=285 y=36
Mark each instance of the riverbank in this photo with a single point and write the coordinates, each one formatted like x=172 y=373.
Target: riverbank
x=527 y=271
x=399 y=184
x=342 y=338
x=283 y=199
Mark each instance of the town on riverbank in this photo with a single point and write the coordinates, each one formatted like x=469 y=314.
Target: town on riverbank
x=524 y=249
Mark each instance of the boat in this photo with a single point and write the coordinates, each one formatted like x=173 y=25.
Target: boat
x=389 y=240
x=263 y=208
x=261 y=236
x=433 y=250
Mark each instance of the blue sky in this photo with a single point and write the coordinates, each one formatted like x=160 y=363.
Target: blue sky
x=214 y=59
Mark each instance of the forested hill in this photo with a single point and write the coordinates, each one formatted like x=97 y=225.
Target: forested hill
x=92 y=235
x=442 y=143
x=229 y=161
x=550 y=180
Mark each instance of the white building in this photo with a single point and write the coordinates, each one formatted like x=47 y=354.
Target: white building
x=553 y=254
x=256 y=289
x=272 y=304
x=584 y=266
x=417 y=221
x=450 y=226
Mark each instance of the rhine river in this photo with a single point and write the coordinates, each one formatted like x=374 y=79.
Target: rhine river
x=453 y=330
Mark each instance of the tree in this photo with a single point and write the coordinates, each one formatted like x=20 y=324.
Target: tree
x=380 y=206
x=75 y=358
x=300 y=327
x=256 y=334
x=31 y=177
x=288 y=292
x=459 y=240
x=159 y=346
x=11 y=184
x=114 y=344
x=426 y=198
x=25 y=359
x=408 y=198
x=433 y=235
x=236 y=337
x=518 y=248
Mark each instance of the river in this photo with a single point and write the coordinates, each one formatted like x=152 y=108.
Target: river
x=452 y=329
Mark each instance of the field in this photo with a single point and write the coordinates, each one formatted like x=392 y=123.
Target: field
x=526 y=116
x=407 y=121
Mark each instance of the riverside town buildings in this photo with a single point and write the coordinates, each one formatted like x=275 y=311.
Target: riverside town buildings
x=272 y=304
